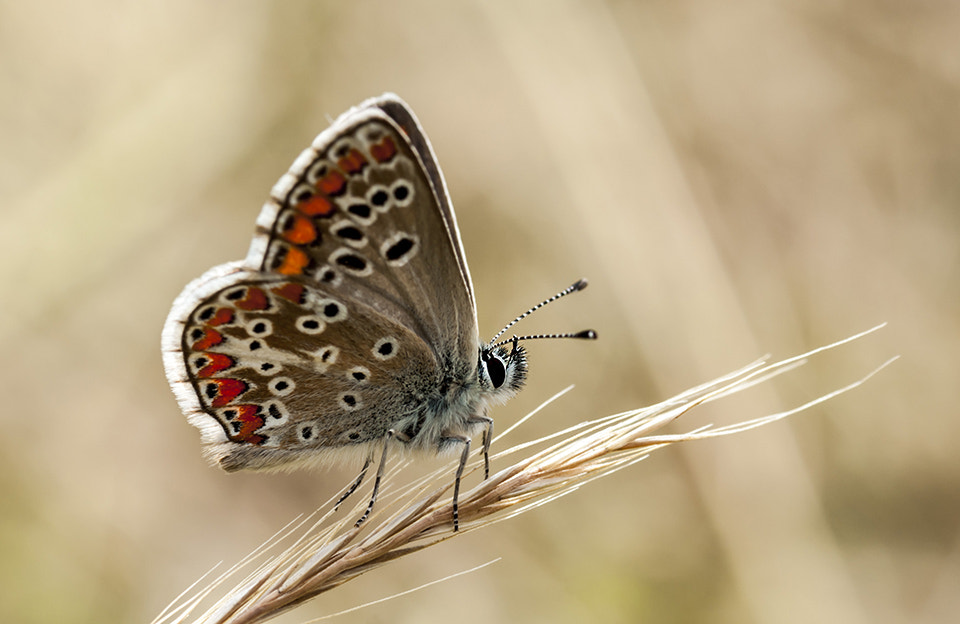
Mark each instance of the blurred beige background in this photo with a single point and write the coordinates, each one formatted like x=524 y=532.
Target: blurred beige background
x=734 y=178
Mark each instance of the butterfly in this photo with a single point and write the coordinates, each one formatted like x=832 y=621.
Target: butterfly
x=351 y=325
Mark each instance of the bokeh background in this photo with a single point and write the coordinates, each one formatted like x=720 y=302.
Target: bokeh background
x=734 y=178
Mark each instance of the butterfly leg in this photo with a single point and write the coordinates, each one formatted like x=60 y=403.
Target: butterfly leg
x=464 y=455
x=487 y=438
x=353 y=488
x=376 y=482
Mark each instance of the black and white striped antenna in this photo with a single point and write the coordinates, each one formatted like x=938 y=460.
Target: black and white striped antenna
x=587 y=334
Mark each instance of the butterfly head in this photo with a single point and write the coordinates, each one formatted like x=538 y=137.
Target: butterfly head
x=502 y=369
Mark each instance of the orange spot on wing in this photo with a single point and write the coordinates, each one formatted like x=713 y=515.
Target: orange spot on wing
x=249 y=421
x=384 y=151
x=353 y=163
x=255 y=299
x=210 y=338
x=291 y=292
x=217 y=363
x=299 y=230
x=317 y=206
x=227 y=390
x=333 y=183
x=222 y=316
x=294 y=261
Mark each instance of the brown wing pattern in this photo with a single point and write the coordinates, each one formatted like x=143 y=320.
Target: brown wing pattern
x=352 y=306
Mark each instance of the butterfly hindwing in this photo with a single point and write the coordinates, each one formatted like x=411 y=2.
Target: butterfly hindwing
x=279 y=365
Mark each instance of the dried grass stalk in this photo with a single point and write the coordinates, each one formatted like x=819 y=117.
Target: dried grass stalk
x=326 y=553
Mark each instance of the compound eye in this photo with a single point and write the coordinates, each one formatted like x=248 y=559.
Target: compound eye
x=496 y=371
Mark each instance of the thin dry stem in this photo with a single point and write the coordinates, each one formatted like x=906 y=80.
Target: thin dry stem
x=406 y=520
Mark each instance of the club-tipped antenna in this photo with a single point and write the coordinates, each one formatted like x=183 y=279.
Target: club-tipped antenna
x=575 y=287
x=586 y=334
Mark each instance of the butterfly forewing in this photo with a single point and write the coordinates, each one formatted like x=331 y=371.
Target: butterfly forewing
x=404 y=117
x=359 y=214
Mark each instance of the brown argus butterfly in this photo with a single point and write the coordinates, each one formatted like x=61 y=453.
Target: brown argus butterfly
x=351 y=326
